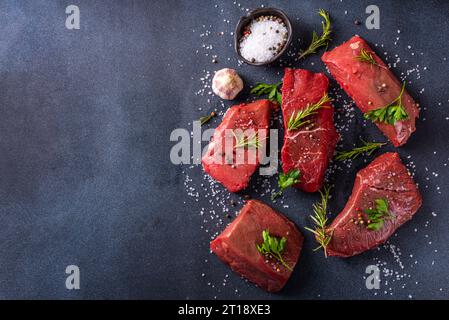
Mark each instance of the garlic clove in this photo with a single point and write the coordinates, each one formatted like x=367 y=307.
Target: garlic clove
x=227 y=84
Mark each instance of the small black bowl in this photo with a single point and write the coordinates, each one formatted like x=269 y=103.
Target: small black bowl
x=244 y=21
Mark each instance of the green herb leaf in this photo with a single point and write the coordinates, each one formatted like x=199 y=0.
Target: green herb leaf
x=272 y=90
x=365 y=56
x=273 y=247
x=286 y=180
x=378 y=215
x=299 y=119
x=319 y=41
x=391 y=113
x=374 y=226
x=206 y=119
x=242 y=141
x=368 y=148
x=322 y=235
x=278 y=97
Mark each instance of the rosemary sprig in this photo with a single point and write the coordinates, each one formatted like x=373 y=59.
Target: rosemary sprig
x=391 y=113
x=299 y=119
x=273 y=247
x=272 y=90
x=376 y=217
x=322 y=235
x=365 y=56
x=206 y=119
x=368 y=148
x=286 y=180
x=319 y=41
x=247 y=141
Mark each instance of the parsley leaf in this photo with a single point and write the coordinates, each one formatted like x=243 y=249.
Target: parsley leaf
x=272 y=90
x=286 y=180
x=273 y=247
x=391 y=113
x=377 y=216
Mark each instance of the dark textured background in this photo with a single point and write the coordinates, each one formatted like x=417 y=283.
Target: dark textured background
x=85 y=176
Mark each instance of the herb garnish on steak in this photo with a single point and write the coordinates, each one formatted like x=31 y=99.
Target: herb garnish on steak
x=308 y=145
x=238 y=245
x=366 y=56
x=389 y=197
x=391 y=113
x=377 y=216
x=384 y=197
x=298 y=119
x=374 y=88
x=273 y=247
x=234 y=170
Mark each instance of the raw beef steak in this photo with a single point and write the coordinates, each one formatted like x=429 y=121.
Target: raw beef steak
x=385 y=178
x=371 y=85
x=237 y=245
x=231 y=173
x=311 y=147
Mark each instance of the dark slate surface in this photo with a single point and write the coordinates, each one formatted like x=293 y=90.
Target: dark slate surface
x=85 y=176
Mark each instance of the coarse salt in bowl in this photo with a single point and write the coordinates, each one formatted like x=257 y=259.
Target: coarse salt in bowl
x=262 y=36
x=265 y=39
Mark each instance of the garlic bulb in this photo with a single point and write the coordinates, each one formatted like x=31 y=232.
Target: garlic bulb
x=227 y=83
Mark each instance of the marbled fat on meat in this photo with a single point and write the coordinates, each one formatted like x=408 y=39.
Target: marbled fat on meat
x=311 y=147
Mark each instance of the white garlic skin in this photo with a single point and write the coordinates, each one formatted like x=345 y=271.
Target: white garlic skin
x=227 y=84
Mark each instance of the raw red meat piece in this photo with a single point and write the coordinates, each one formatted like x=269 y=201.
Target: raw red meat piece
x=384 y=178
x=311 y=147
x=236 y=245
x=232 y=175
x=371 y=86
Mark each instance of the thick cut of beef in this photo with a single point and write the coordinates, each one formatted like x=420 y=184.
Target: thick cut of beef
x=231 y=168
x=385 y=178
x=310 y=147
x=237 y=245
x=371 y=85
